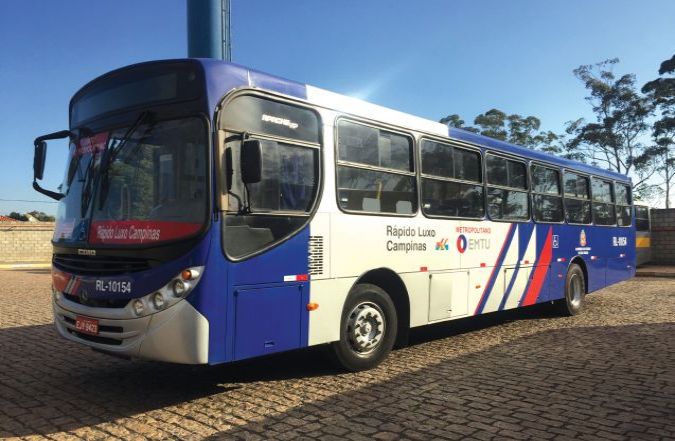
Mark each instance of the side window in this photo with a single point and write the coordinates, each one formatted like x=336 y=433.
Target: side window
x=262 y=214
x=641 y=218
x=623 y=205
x=577 y=198
x=375 y=170
x=603 y=202
x=547 y=203
x=451 y=181
x=290 y=178
x=507 y=188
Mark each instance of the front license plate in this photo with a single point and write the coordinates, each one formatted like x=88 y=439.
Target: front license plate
x=86 y=325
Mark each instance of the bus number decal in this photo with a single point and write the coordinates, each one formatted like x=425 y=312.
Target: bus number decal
x=620 y=241
x=113 y=286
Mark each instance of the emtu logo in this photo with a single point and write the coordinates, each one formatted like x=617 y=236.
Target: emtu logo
x=442 y=245
x=462 y=243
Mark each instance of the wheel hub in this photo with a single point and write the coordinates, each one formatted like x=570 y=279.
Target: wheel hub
x=576 y=290
x=365 y=327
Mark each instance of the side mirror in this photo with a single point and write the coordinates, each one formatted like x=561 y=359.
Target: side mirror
x=39 y=159
x=251 y=161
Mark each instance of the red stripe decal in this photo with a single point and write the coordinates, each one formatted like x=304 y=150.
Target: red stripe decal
x=60 y=280
x=76 y=286
x=539 y=272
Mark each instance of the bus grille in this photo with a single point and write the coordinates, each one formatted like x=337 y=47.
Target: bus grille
x=315 y=255
x=103 y=265
x=98 y=303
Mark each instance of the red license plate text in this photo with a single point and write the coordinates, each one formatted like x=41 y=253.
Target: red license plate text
x=86 y=325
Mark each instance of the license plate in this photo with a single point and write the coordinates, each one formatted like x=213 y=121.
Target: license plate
x=86 y=325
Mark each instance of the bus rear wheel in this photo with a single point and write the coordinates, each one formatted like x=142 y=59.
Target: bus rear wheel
x=575 y=291
x=367 y=328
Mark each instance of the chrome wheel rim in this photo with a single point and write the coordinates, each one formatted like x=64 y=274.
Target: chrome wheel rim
x=365 y=328
x=576 y=290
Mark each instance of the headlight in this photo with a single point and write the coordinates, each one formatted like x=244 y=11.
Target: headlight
x=138 y=306
x=180 y=288
x=158 y=300
x=168 y=295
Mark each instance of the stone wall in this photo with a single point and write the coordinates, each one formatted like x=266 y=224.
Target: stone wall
x=663 y=236
x=26 y=241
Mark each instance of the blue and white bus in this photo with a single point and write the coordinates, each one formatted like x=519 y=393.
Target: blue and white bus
x=211 y=213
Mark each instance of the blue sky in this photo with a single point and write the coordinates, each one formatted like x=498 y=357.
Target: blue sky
x=428 y=58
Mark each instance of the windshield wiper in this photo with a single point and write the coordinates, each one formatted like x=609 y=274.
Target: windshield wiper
x=110 y=155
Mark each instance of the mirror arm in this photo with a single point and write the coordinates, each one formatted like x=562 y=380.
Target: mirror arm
x=55 y=135
x=51 y=194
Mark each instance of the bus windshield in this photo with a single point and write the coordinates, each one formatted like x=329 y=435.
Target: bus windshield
x=150 y=187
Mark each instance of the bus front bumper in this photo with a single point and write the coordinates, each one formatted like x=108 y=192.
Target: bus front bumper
x=178 y=334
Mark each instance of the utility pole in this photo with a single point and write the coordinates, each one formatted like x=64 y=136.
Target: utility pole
x=209 y=29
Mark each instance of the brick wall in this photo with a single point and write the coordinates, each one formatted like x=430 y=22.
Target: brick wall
x=663 y=236
x=26 y=241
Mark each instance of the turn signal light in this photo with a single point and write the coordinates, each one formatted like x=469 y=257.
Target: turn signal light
x=189 y=274
x=312 y=306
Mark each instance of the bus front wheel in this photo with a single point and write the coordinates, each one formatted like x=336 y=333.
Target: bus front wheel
x=367 y=328
x=575 y=291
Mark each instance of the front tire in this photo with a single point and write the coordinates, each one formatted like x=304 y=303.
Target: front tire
x=367 y=328
x=575 y=291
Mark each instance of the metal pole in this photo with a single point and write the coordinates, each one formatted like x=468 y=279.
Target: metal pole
x=227 y=42
x=209 y=29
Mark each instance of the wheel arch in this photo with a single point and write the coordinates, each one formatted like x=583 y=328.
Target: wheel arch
x=393 y=285
x=579 y=261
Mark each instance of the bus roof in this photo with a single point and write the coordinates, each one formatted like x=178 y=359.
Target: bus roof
x=365 y=109
x=491 y=143
x=222 y=77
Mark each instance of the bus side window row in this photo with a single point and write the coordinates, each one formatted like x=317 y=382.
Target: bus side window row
x=375 y=174
x=375 y=170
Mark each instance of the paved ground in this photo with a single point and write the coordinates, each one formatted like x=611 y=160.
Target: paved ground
x=608 y=374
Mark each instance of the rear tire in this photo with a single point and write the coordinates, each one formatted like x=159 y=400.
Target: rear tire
x=367 y=328
x=575 y=292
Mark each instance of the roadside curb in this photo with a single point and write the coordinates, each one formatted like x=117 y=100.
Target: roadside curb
x=14 y=266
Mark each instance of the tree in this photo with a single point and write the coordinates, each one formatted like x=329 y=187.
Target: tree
x=512 y=128
x=18 y=216
x=661 y=92
x=41 y=216
x=621 y=121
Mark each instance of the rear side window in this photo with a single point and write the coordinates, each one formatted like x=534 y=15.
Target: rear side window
x=603 y=202
x=577 y=199
x=375 y=170
x=451 y=180
x=507 y=188
x=623 y=205
x=641 y=218
x=506 y=172
x=547 y=201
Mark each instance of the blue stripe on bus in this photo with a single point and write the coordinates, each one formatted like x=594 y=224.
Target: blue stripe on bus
x=524 y=237
x=495 y=269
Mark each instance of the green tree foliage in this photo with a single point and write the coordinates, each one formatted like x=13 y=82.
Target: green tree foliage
x=661 y=92
x=18 y=216
x=613 y=140
x=513 y=128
